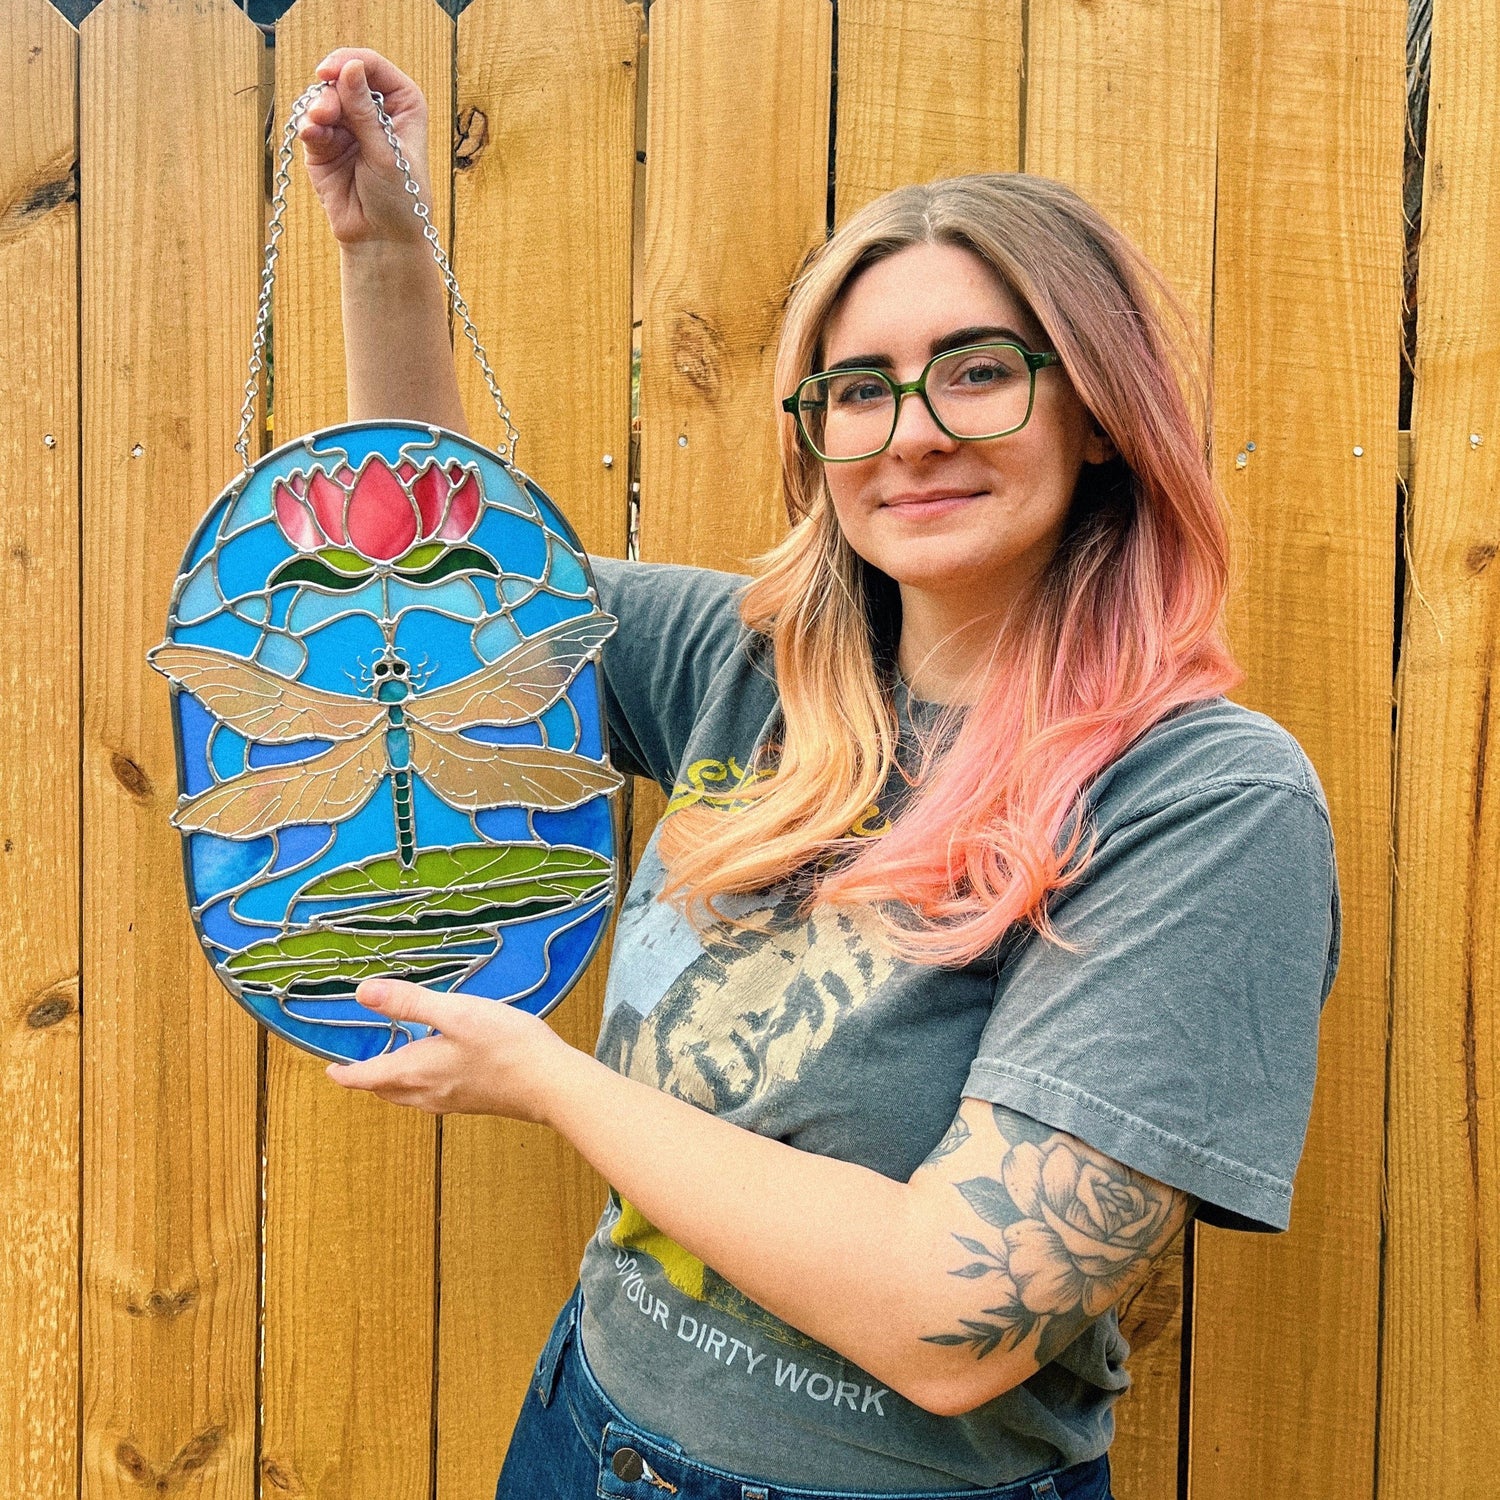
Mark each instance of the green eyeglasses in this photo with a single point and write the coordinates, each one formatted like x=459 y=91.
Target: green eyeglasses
x=977 y=392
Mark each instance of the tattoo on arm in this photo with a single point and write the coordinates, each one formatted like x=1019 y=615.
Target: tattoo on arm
x=954 y=1137
x=1076 y=1231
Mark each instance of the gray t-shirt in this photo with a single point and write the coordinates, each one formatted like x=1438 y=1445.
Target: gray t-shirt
x=1180 y=1039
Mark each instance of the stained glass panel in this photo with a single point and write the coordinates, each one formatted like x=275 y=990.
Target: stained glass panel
x=383 y=656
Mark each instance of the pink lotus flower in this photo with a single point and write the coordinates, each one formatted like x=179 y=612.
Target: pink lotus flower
x=382 y=512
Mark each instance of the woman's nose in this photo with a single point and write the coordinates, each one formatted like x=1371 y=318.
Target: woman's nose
x=916 y=431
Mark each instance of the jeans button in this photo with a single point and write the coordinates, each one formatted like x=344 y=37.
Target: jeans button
x=628 y=1465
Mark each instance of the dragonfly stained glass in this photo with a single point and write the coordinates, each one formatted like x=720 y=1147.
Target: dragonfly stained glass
x=383 y=653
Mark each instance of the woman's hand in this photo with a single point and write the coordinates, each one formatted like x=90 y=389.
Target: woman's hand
x=349 y=161
x=490 y=1059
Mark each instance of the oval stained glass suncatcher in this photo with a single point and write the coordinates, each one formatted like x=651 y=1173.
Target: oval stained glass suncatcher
x=391 y=750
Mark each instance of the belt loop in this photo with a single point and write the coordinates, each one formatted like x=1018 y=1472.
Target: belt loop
x=544 y=1381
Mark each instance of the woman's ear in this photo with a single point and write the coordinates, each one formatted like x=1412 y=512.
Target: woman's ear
x=1097 y=448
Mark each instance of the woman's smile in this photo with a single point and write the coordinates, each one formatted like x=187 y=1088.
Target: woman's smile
x=927 y=505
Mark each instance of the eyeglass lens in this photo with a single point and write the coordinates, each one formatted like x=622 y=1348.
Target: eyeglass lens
x=975 y=393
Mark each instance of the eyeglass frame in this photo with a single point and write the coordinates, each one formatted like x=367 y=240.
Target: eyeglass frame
x=1034 y=360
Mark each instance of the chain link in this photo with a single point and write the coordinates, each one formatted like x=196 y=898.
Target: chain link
x=506 y=452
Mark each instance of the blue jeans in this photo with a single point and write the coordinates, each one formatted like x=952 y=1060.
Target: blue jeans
x=572 y=1442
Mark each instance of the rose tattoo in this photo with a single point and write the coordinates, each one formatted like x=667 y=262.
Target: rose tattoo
x=1077 y=1231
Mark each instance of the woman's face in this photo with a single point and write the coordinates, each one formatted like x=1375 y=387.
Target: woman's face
x=962 y=527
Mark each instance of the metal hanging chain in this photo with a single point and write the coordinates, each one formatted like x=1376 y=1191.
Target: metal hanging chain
x=506 y=452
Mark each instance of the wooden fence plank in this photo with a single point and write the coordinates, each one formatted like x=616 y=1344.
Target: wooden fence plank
x=39 y=732
x=542 y=233
x=351 y=1182
x=736 y=193
x=1440 y=1422
x=1122 y=104
x=170 y=225
x=927 y=88
x=1307 y=336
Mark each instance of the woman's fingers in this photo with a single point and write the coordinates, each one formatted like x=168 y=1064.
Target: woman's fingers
x=344 y=65
x=392 y=1073
x=323 y=142
x=375 y=64
x=348 y=155
x=335 y=116
x=486 y=1057
x=403 y=1001
x=321 y=130
x=353 y=89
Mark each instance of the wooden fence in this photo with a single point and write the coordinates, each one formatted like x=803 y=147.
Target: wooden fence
x=224 y=1277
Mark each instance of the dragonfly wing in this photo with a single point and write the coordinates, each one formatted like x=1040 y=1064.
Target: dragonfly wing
x=467 y=775
x=262 y=705
x=327 y=789
x=523 y=683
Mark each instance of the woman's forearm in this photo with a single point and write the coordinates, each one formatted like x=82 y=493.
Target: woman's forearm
x=397 y=350
x=950 y=1288
x=839 y=1251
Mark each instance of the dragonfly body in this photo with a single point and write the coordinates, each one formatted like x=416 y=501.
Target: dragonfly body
x=393 y=692
x=397 y=731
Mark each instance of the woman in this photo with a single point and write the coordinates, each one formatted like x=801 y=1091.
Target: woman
x=984 y=942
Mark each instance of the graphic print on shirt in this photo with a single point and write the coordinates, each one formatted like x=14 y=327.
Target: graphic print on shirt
x=676 y=1016
x=718 y=783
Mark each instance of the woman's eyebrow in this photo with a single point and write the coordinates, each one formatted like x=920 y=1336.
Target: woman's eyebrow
x=955 y=340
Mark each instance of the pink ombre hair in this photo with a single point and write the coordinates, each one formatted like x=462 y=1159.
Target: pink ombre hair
x=1124 y=625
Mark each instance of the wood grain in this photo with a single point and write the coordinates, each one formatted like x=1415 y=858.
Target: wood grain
x=170 y=228
x=1144 y=1455
x=648 y=803
x=1440 y=1423
x=543 y=189
x=40 y=1061
x=1307 y=351
x=926 y=88
x=351 y=1182
x=1122 y=104
x=736 y=194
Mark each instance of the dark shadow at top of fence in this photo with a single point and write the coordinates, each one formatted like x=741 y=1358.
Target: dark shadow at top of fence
x=265 y=13
x=262 y=12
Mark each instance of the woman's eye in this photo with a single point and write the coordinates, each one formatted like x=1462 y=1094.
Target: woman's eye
x=983 y=372
x=861 y=393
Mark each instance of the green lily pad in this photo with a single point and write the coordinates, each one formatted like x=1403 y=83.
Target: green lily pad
x=422 y=556
x=520 y=871
x=342 y=560
x=426 y=924
x=320 y=961
x=470 y=908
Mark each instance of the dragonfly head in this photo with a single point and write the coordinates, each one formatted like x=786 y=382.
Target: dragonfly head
x=391 y=677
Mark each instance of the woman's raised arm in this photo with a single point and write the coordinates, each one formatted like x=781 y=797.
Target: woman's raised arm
x=397 y=349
